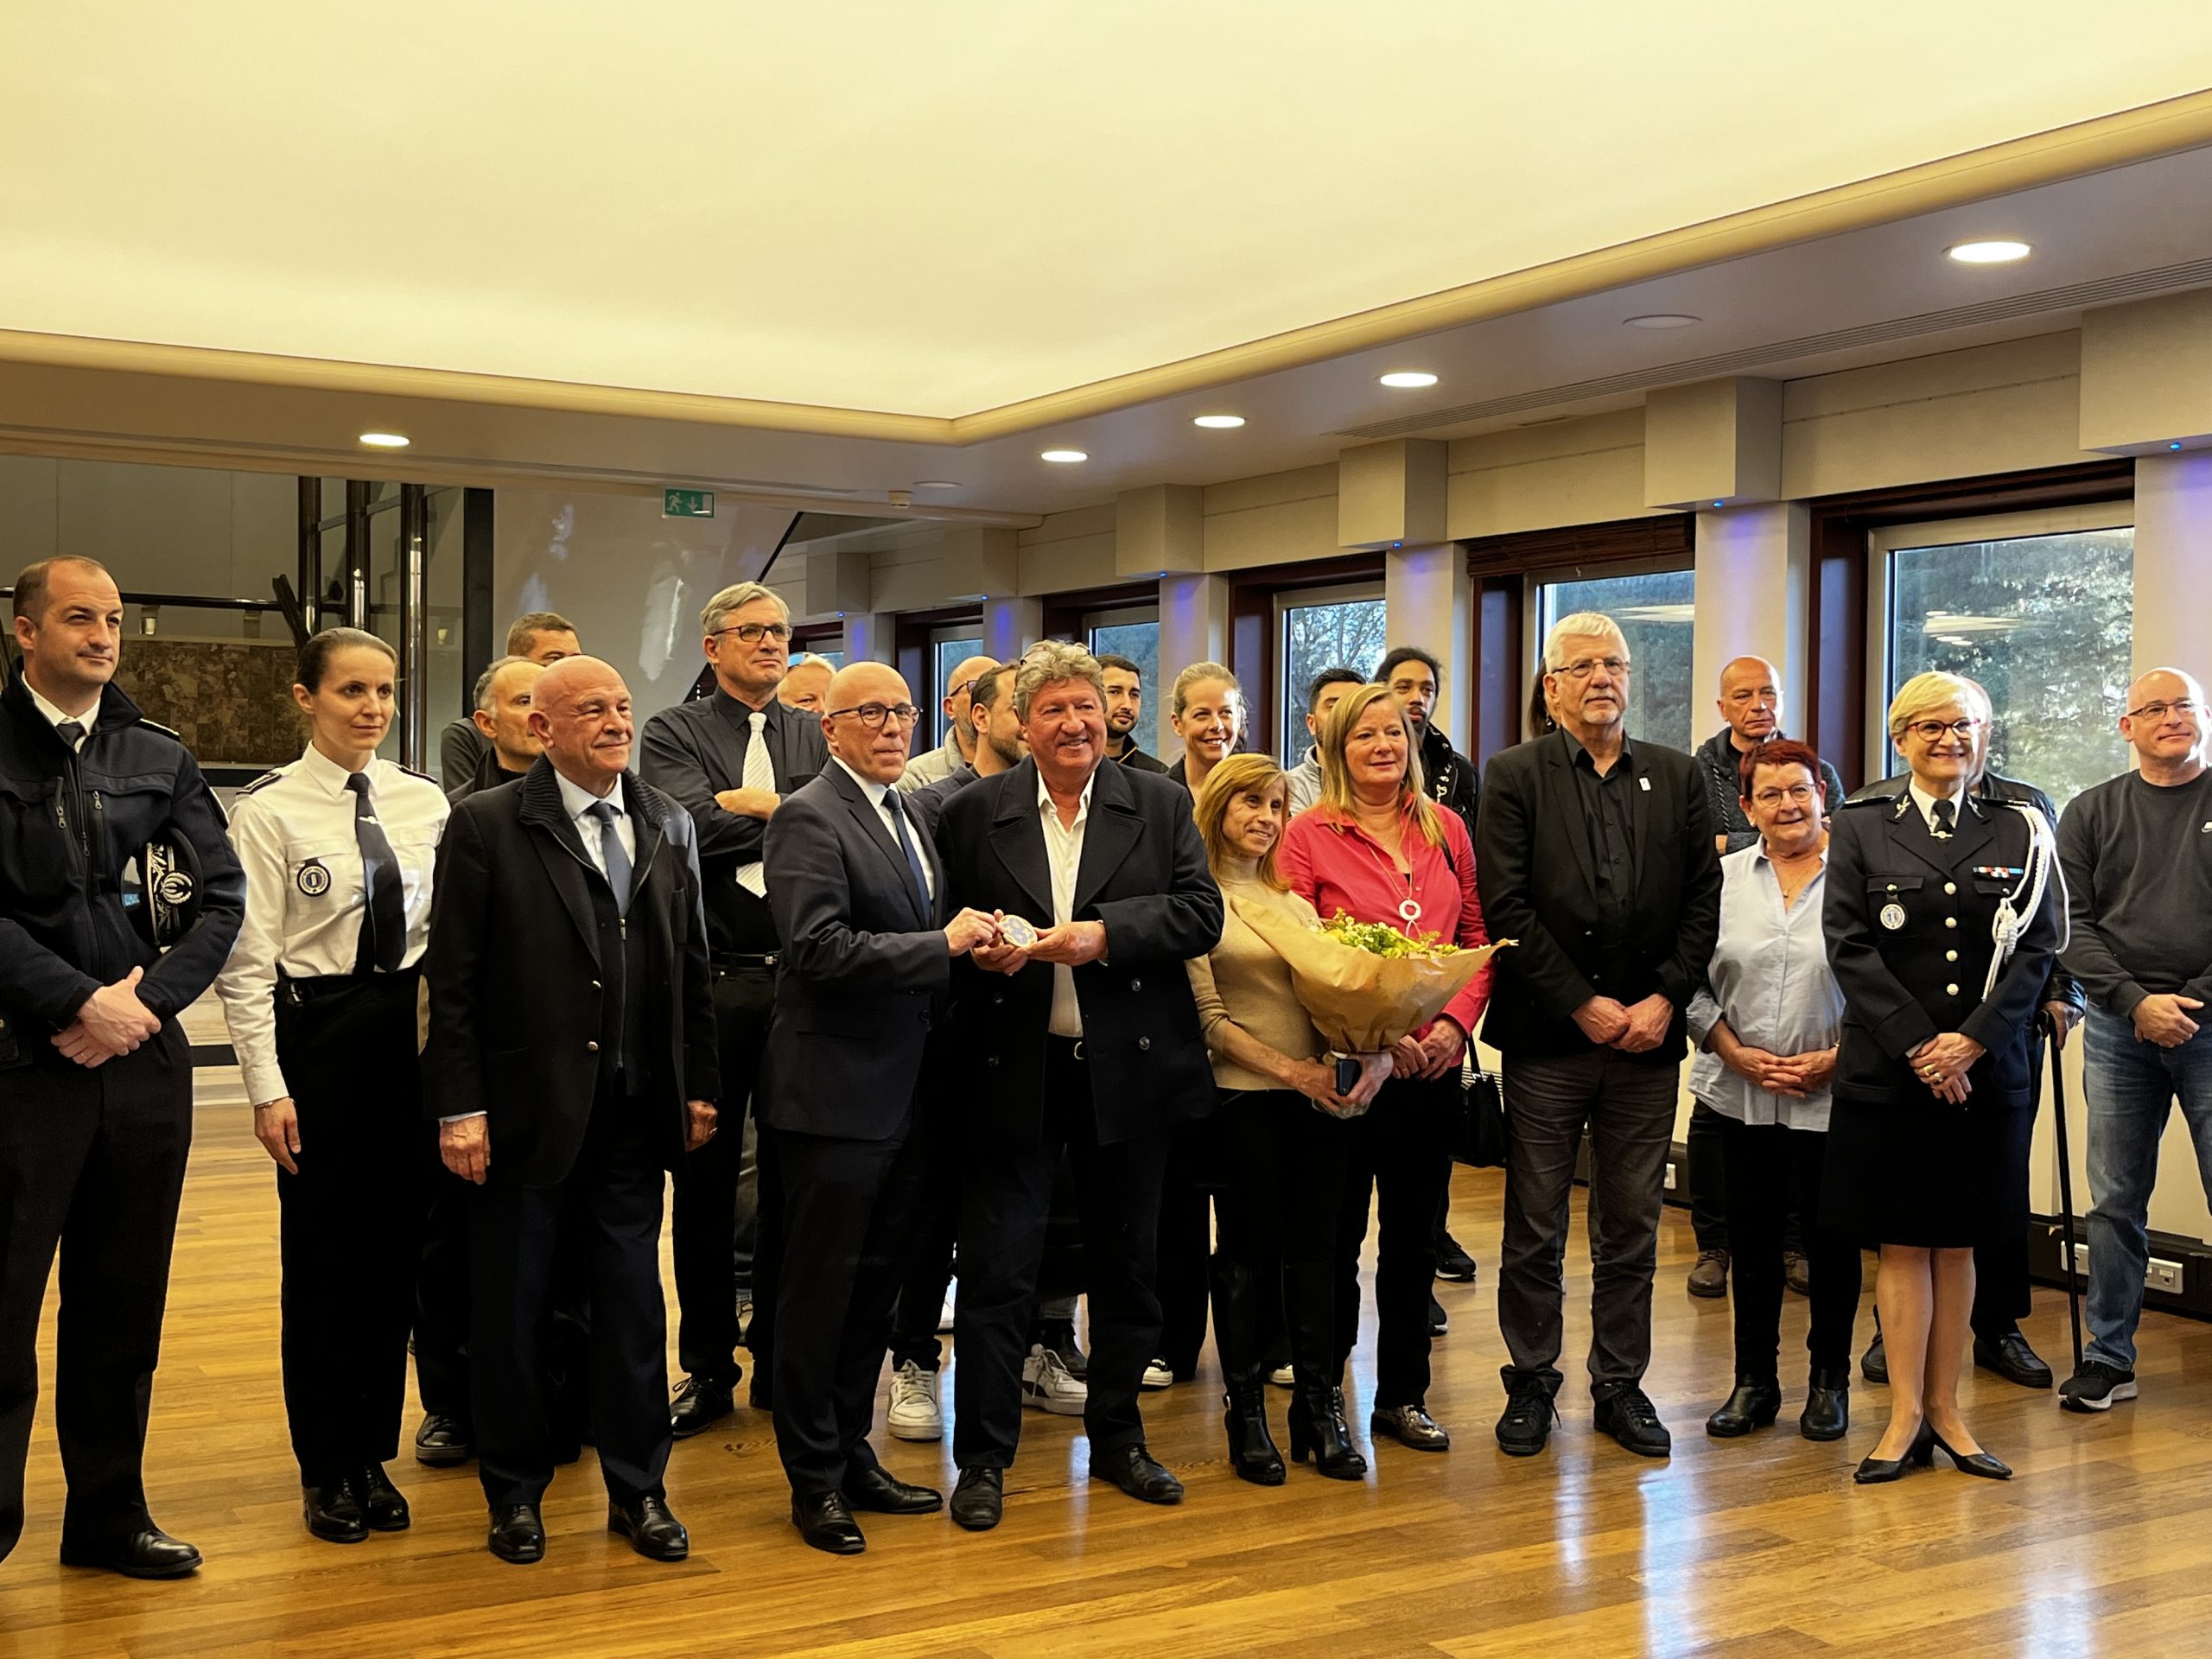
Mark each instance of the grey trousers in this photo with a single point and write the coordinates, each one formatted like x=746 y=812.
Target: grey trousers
x=1627 y=1103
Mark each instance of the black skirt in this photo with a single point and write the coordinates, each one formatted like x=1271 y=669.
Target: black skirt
x=1921 y=1172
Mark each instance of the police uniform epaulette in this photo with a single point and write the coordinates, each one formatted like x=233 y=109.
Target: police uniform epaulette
x=156 y=726
x=1861 y=802
x=265 y=777
x=424 y=776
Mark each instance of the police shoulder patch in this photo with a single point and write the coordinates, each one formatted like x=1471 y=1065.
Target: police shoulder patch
x=156 y=726
x=265 y=777
x=424 y=776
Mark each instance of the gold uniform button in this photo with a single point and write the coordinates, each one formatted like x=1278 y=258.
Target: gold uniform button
x=1950 y=956
x=1950 y=886
x=591 y=1048
x=1950 y=921
x=1950 y=990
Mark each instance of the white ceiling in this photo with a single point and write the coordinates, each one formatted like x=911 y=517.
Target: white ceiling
x=944 y=209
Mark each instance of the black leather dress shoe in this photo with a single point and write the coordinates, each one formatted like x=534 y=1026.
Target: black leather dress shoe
x=979 y=1499
x=1630 y=1417
x=700 y=1404
x=334 y=1513
x=441 y=1442
x=1409 y=1425
x=149 y=1553
x=1755 y=1402
x=879 y=1491
x=1879 y=1472
x=1132 y=1468
x=2011 y=1358
x=517 y=1534
x=1874 y=1364
x=1827 y=1404
x=382 y=1506
x=824 y=1521
x=653 y=1531
x=1974 y=1463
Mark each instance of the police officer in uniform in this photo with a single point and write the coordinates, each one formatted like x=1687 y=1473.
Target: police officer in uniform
x=338 y=848
x=1942 y=916
x=96 y=1075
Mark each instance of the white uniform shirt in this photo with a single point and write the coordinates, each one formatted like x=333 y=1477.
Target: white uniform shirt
x=1925 y=804
x=305 y=893
x=55 y=715
x=1064 y=852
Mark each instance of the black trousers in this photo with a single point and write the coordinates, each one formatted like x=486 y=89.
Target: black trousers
x=609 y=1208
x=846 y=1204
x=1006 y=1204
x=1397 y=1161
x=349 y=1237
x=1708 y=1185
x=705 y=1221
x=1182 y=1255
x=1771 y=1170
x=1278 y=1210
x=91 y=1163
x=924 y=1266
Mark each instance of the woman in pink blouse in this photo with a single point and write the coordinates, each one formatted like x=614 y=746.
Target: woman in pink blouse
x=1375 y=847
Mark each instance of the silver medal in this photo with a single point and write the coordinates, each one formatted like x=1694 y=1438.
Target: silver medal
x=1017 y=930
x=1893 y=917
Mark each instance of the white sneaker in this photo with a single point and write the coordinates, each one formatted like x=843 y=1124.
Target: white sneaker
x=1156 y=1376
x=1048 y=1385
x=1283 y=1376
x=944 y=1313
x=915 y=1413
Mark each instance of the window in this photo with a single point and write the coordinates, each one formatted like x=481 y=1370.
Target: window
x=2040 y=608
x=1132 y=633
x=949 y=648
x=1322 y=628
x=1656 y=611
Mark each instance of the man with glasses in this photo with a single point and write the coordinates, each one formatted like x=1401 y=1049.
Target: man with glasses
x=2001 y=1292
x=858 y=897
x=958 y=748
x=1751 y=703
x=2137 y=852
x=730 y=758
x=1596 y=855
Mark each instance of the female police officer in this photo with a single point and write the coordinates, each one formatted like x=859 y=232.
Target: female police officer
x=338 y=848
x=1942 y=914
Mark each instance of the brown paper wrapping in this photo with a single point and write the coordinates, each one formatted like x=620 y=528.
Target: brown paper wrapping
x=1359 y=1001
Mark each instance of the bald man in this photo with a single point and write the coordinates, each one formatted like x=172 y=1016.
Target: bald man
x=805 y=682
x=1750 y=702
x=958 y=748
x=571 y=1063
x=857 y=890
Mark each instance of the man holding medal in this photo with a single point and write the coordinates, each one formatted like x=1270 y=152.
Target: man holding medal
x=1081 y=1015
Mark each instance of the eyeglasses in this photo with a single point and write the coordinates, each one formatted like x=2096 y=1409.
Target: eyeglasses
x=750 y=633
x=1934 y=731
x=1801 y=793
x=1584 y=667
x=966 y=685
x=2185 y=707
x=873 y=715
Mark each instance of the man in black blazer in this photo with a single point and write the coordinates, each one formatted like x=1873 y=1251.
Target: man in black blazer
x=1596 y=855
x=1085 y=1036
x=859 y=898
x=568 y=914
x=729 y=758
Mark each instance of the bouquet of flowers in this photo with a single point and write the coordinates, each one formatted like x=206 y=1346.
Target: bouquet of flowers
x=1365 y=984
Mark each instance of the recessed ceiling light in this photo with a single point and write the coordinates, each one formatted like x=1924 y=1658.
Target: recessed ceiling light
x=1988 y=253
x=936 y=484
x=1219 y=422
x=1408 y=378
x=1663 y=320
x=1063 y=457
x=384 y=440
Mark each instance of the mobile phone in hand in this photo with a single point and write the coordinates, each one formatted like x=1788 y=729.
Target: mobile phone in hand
x=1348 y=1070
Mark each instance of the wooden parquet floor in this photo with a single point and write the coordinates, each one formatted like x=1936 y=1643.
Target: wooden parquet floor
x=1743 y=1550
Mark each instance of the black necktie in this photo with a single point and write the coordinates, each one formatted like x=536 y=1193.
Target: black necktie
x=1945 y=815
x=70 y=732
x=384 y=917
x=617 y=861
x=906 y=846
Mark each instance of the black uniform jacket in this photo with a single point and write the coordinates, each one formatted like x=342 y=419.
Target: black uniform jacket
x=863 y=970
x=71 y=822
x=516 y=982
x=1143 y=874
x=1908 y=919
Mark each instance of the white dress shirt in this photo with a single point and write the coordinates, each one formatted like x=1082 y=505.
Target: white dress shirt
x=1064 y=852
x=306 y=893
x=55 y=715
x=1925 y=804
x=579 y=802
x=876 y=793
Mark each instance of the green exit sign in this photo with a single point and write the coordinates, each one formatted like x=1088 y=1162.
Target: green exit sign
x=687 y=503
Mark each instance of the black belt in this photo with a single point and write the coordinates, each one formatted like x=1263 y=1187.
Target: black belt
x=301 y=991
x=738 y=961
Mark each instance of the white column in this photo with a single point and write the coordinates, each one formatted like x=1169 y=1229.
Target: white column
x=2173 y=561
x=1753 y=567
x=1011 y=626
x=870 y=636
x=1193 y=628
x=1425 y=600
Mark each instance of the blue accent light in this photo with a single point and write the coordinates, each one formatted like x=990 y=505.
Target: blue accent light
x=1720 y=504
x=2176 y=444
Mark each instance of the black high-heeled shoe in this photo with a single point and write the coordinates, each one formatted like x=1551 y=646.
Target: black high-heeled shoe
x=1970 y=1463
x=1318 y=1430
x=1874 y=1471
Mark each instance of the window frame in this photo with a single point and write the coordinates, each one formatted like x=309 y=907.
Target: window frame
x=942 y=634
x=1537 y=627
x=1289 y=710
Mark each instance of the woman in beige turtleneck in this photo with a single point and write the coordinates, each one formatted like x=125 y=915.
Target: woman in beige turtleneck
x=1282 y=1117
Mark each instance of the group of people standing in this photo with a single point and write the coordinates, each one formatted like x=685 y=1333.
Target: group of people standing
x=1004 y=1002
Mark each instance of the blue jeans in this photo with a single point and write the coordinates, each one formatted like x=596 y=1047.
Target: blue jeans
x=2132 y=1086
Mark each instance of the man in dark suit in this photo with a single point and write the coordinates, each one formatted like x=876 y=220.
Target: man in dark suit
x=729 y=758
x=1082 y=1019
x=568 y=909
x=1596 y=854
x=860 y=905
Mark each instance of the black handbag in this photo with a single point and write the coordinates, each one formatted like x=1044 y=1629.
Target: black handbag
x=1480 y=1139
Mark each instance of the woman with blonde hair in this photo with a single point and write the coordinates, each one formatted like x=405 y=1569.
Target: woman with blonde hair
x=1376 y=847
x=1206 y=709
x=1942 y=916
x=1284 y=1125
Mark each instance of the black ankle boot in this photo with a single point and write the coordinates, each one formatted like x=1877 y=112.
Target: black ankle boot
x=1754 y=1403
x=1318 y=1430
x=1252 y=1451
x=1827 y=1404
